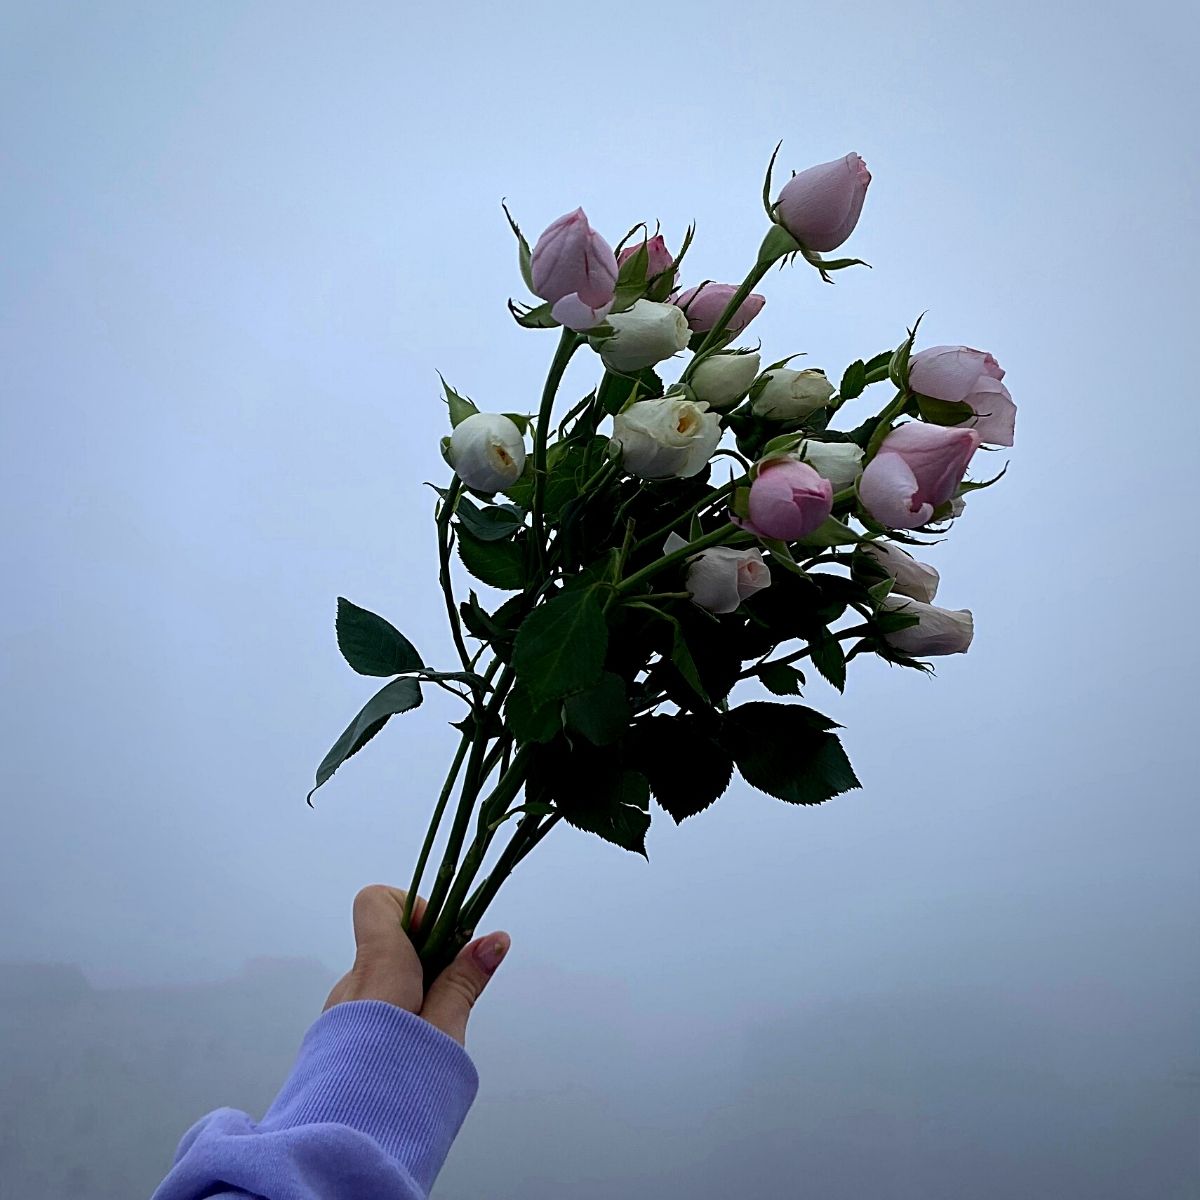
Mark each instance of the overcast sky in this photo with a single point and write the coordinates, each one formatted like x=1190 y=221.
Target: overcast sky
x=238 y=242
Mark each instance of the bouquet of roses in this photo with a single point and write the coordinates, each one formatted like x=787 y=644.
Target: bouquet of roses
x=644 y=589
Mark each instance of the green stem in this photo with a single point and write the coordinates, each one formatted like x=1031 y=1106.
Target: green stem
x=855 y=631
x=567 y=345
x=472 y=782
x=884 y=427
x=706 y=501
x=448 y=918
x=430 y=836
x=527 y=835
x=444 y=576
x=728 y=534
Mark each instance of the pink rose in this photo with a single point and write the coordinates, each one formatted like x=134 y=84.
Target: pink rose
x=659 y=258
x=575 y=269
x=918 y=467
x=961 y=375
x=788 y=500
x=720 y=578
x=704 y=305
x=820 y=207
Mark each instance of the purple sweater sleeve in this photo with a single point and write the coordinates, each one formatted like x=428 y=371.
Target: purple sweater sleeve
x=368 y=1113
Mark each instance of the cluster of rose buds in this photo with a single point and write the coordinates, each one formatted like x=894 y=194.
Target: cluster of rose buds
x=908 y=478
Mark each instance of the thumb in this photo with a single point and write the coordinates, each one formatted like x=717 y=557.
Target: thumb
x=453 y=993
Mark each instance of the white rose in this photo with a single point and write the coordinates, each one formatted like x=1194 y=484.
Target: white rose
x=939 y=630
x=487 y=451
x=789 y=395
x=721 y=380
x=666 y=437
x=720 y=578
x=839 y=462
x=910 y=576
x=645 y=334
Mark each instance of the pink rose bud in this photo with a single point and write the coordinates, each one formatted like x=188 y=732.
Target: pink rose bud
x=820 y=207
x=704 y=305
x=575 y=269
x=788 y=500
x=910 y=576
x=962 y=375
x=720 y=578
x=937 y=631
x=918 y=467
x=659 y=257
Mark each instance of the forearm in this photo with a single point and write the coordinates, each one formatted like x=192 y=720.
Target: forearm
x=369 y=1112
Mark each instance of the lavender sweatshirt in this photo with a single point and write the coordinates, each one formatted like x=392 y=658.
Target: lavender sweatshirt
x=368 y=1113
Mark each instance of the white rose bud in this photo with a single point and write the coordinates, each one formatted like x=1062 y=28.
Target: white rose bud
x=789 y=395
x=646 y=334
x=910 y=577
x=839 y=462
x=939 y=630
x=721 y=380
x=666 y=437
x=487 y=451
x=720 y=578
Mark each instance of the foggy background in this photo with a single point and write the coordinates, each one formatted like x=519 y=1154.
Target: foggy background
x=238 y=240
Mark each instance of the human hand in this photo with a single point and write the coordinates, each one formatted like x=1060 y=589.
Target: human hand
x=386 y=966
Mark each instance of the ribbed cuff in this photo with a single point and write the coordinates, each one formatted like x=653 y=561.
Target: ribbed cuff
x=386 y=1072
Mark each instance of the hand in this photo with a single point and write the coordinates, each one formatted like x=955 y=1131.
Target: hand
x=386 y=966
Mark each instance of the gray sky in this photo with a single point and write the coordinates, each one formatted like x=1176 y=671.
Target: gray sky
x=239 y=240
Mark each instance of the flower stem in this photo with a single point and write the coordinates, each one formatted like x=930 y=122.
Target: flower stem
x=444 y=576
x=884 y=427
x=567 y=345
x=728 y=534
x=844 y=635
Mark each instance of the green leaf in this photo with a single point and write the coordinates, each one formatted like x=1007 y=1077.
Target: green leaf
x=686 y=765
x=533 y=807
x=616 y=388
x=829 y=658
x=539 y=317
x=396 y=697
x=521 y=492
x=371 y=645
x=831 y=533
x=787 y=751
x=499 y=564
x=524 y=257
x=943 y=412
x=600 y=712
x=528 y=722
x=491 y=523
x=853 y=381
x=781 y=679
x=898 y=364
x=615 y=806
x=460 y=406
x=560 y=646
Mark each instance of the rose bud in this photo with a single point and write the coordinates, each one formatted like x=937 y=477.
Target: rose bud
x=487 y=451
x=918 y=467
x=575 y=269
x=659 y=258
x=962 y=375
x=939 y=630
x=666 y=437
x=645 y=334
x=788 y=500
x=789 y=395
x=720 y=578
x=820 y=207
x=705 y=304
x=839 y=462
x=721 y=380
x=910 y=577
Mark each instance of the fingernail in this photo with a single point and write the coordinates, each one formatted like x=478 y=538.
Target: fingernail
x=489 y=952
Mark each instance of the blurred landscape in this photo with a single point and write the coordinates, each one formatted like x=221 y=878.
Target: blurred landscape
x=907 y=1097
